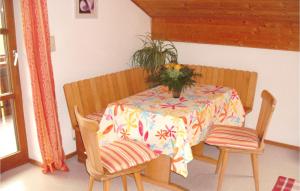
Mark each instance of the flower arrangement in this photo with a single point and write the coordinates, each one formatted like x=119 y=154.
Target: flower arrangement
x=177 y=77
x=153 y=58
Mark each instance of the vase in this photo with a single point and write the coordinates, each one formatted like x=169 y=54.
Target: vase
x=176 y=93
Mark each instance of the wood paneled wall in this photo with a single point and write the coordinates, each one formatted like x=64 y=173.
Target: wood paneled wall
x=272 y=24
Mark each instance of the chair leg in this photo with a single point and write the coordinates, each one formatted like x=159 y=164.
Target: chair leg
x=124 y=181
x=138 y=181
x=106 y=185
x=220 y=159
x=255 y=170
x=91 y=183
x=223 y=167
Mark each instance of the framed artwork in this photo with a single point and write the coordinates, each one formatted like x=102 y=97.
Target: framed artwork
x=86 y=8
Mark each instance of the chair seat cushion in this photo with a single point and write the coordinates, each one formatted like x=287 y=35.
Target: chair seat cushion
x=232 y=137
x=124 y=154
x=97 y=116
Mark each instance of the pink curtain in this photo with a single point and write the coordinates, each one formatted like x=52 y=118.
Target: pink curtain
x=37 y=41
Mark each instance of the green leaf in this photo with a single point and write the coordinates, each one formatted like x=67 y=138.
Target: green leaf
x=154 y=54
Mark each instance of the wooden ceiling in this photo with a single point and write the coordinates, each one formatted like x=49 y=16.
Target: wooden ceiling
x=253 y=23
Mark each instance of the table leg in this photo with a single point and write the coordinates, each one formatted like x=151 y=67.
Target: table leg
x=199 y=155
x=158 y=172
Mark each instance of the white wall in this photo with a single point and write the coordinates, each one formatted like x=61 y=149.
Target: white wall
x=84 y=48
x=278 y=72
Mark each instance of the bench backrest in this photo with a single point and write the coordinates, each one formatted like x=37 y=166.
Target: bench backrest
x=244 y=82
x=91 y=95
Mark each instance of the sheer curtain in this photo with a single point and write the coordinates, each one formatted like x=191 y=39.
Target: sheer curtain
x=37 y=42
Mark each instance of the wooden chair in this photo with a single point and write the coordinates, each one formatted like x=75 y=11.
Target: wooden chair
x=120 y=158
x=241 y=139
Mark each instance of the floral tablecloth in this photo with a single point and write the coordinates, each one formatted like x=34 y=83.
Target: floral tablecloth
x=171 y=126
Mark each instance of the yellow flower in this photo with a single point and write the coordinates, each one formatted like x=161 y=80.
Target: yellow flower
x=177 y=67
x=168 y=65
x=173 y=66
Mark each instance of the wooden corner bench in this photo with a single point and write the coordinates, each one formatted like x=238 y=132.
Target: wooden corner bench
x=92 y=95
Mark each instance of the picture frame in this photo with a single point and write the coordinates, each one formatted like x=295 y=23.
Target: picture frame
x=86 y=8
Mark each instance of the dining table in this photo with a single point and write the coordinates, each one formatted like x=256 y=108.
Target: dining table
x=171 y=127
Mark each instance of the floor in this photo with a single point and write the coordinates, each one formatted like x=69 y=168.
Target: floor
x=274 y=162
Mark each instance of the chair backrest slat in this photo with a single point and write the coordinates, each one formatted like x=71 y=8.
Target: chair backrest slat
x=265 y=114
x=88 y=130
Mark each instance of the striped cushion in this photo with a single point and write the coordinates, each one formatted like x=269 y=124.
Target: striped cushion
x=286 y=184
x=124 y=154
x=97 y=116
x=233 y=137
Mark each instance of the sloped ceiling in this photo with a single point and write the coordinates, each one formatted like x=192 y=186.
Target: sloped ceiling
x=252 y=23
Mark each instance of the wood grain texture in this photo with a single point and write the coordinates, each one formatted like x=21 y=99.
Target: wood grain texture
x=244 y=82
x=272 y=24
x=91 y=95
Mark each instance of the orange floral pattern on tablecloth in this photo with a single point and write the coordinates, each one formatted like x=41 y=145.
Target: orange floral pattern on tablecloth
x=168 y=125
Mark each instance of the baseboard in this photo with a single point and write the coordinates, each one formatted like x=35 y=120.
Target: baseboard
x=278 y=144
x=70 y=155
x=35 y=162
x=39 y=164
